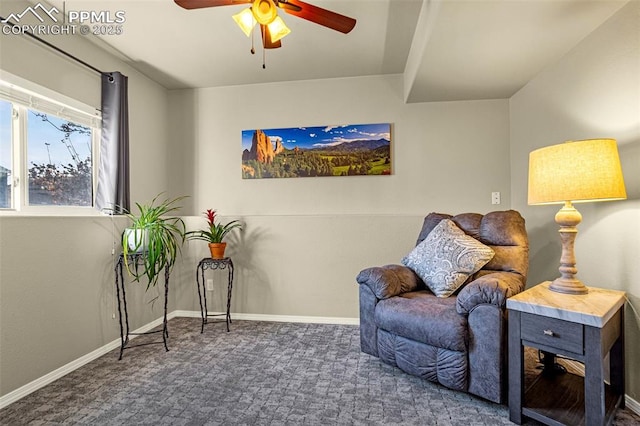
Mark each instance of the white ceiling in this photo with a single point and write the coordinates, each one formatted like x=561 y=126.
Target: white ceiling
x=447 y=49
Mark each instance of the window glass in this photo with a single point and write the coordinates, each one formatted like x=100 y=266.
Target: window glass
x=48 y=150
x=5 y=154
x=59 y=159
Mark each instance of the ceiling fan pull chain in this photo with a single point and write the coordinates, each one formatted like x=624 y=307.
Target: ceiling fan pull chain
x=264 y=51
x=253 y=50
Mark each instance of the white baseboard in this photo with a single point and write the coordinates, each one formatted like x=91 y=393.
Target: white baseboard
x=632 y=404
x=299 y=319
x=276 y=318
x=33 y=386
x=188 y=314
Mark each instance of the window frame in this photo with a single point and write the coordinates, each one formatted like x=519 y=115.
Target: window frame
x=24 y=96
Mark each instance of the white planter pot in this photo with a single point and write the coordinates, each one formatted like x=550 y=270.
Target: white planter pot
x=137 y=240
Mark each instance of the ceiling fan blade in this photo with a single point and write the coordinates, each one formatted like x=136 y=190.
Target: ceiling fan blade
x=199 y=4
x=266 y=38
x=285 y=4
x=321 y=16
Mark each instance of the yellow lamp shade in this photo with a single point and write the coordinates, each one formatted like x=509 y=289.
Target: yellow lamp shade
x=245 y=21
x=264 y=11
x=576 y=171
x=278 y=29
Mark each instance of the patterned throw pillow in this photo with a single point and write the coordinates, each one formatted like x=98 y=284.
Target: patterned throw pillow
x=447 y=257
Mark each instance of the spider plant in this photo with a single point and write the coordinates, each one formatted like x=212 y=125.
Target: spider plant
x=154 y=240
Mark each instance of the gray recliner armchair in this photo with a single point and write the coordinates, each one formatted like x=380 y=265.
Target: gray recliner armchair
x=458 y=341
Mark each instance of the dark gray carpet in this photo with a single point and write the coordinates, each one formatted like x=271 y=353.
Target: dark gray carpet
x=258 y=374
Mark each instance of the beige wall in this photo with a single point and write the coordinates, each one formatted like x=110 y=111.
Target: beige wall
x=592 y=92
x=56 y=281
x=307 y=238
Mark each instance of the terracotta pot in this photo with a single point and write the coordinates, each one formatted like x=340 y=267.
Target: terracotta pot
x=217 y=250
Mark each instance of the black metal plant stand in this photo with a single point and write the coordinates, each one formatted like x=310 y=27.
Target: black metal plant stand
x=213 y=264
x=134 y=260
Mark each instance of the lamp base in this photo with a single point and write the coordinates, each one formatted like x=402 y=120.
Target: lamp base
x=568 y=286
x=568 y=218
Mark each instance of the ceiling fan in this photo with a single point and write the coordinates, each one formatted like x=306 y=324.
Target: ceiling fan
x=272 y=27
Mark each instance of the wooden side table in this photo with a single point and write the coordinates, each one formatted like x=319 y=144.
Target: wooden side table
x=583 y=327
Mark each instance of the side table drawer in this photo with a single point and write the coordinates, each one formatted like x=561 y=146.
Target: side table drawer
x=552 y=332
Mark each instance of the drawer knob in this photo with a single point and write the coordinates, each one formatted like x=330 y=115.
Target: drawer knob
x=548 y=333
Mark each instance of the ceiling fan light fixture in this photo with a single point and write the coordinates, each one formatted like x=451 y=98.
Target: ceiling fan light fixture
x=245 y=21
x=278 y=29
x=264 y=11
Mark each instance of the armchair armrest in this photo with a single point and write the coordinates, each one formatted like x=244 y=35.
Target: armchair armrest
x=494 y=288
x=389 y=280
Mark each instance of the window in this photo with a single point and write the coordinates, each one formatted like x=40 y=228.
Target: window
x=5 y=154
x=48 y=152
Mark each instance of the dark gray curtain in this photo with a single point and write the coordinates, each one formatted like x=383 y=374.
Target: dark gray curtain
x=113 y=174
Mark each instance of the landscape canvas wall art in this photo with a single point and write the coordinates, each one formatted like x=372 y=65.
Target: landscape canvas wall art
x=347 y=150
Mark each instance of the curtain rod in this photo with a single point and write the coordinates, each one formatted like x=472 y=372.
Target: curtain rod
x=69 y=55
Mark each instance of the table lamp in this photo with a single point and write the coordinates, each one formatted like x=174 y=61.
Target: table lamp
x=574 y=172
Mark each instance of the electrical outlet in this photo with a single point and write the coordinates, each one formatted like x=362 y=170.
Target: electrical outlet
x=209 y=284
x=113 y=315
x=495 y=198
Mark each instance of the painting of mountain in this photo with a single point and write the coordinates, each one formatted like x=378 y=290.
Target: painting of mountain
x=346 y=150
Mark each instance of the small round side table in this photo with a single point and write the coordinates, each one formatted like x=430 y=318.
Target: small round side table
x=213 y=264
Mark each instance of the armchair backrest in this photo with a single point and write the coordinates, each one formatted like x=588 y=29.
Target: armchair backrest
x=503 y=231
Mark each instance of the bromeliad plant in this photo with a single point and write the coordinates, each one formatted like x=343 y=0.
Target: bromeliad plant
x=158 y=239
x=216 y=231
